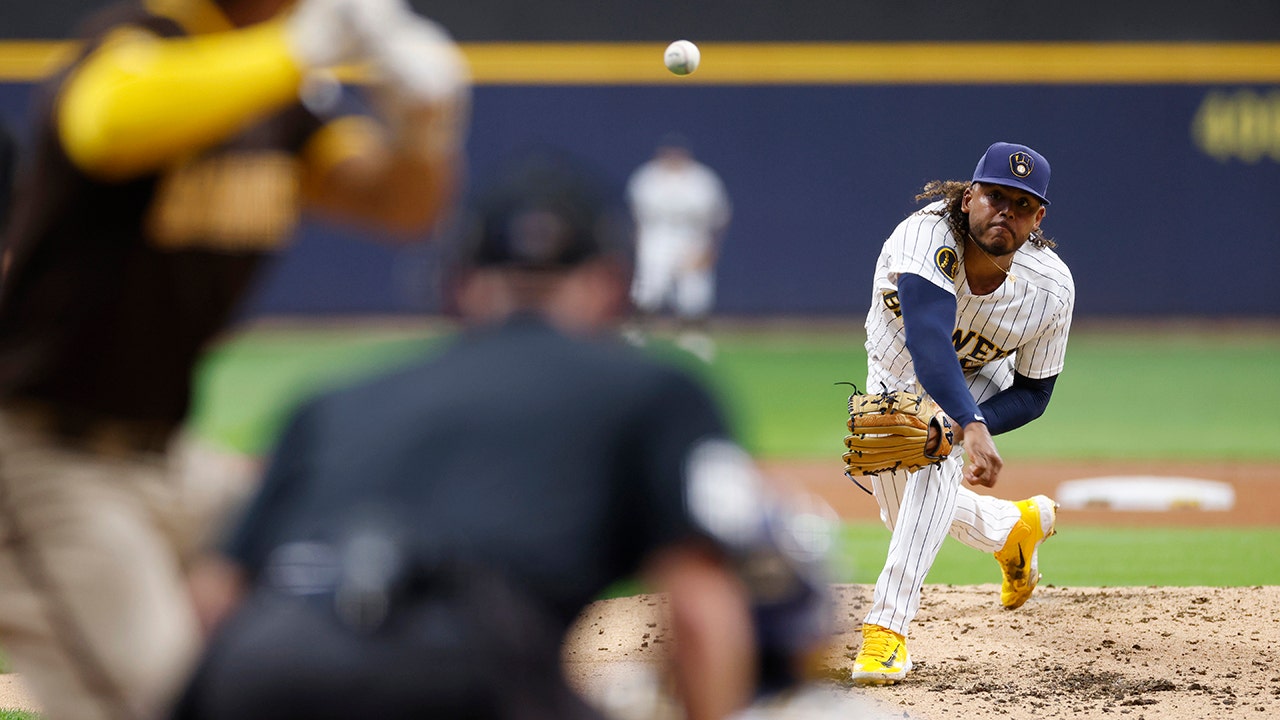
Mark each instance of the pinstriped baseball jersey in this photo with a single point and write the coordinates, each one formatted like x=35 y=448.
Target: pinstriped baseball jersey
x=1022 y=325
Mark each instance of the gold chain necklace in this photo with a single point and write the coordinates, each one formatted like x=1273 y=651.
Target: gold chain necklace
x=1007 y=274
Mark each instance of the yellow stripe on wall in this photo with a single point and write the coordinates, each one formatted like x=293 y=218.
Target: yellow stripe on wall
x=883 y=63
x=31 y=60
x=821 y=63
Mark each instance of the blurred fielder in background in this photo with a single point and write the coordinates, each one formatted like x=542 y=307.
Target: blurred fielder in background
x=427 y=537
x=681 y=212
x=971 y=304
x=168 y=160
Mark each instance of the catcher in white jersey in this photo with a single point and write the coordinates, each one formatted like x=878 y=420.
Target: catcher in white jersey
x=681 y=211
x=972 y=307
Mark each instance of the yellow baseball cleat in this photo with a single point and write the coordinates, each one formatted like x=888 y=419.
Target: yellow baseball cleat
x=883 y=659
x=1018 y=558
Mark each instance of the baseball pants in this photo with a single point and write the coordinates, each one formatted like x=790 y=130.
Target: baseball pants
x=663 y=275
x=94 y=611
x=921 y=508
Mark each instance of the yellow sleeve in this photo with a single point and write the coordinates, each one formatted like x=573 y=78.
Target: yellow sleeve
x=139 y=102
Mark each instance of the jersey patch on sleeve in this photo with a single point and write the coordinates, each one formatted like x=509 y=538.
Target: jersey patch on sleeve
x=947 y=261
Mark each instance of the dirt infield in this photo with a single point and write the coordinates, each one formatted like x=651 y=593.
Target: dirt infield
x=1257 y=488
x=1140 y=653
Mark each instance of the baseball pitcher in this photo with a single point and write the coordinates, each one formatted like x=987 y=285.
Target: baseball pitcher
x=966 y=334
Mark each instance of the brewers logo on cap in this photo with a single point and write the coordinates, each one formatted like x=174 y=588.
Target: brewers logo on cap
x=1021 y=164
x=1016 y=166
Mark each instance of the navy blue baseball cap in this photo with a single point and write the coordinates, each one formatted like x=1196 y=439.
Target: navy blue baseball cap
x=1016 y=166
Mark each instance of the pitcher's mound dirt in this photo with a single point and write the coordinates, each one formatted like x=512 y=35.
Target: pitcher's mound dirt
x=1134 y=653
x=1138 y=653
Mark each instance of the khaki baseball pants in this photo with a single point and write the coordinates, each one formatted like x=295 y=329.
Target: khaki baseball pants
x=94 y=611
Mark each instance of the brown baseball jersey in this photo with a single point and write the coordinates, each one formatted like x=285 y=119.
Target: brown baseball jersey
x=115 y=287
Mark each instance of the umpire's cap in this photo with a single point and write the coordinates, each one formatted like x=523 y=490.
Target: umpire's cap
x=545 y=211
x=1016 y=166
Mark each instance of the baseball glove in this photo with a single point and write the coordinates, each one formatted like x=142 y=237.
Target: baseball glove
x=890 y=431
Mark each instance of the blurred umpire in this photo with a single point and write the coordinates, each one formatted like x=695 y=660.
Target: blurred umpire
x=166 y=162
x=423 y=540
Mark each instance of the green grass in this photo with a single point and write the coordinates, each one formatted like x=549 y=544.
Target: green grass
x=1092 y=556
x=779 y=389
x=1193 y=396
x=783 y=393
x=1122 y=396
x=245 y=389
x=1077 y=557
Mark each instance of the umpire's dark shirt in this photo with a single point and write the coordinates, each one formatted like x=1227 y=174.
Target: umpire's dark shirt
x=560 y=462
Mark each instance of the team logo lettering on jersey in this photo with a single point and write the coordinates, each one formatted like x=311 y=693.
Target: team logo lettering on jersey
x=892 y=303
x=974 y=350
x=948 y=262
x=1021 y=164
x=231 y=202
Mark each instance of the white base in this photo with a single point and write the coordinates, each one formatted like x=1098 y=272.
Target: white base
x=1145 y=493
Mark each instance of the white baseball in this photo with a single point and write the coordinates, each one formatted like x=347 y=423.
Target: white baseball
x=682 y=57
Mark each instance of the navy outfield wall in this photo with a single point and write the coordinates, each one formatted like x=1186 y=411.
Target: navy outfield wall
x=1164 y=192
x=1165 y=199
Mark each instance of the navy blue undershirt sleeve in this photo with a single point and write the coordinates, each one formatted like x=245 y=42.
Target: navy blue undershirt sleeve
x=1018 y=404
x=929 y=318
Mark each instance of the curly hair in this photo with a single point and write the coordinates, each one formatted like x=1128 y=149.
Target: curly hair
x=952 y=193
